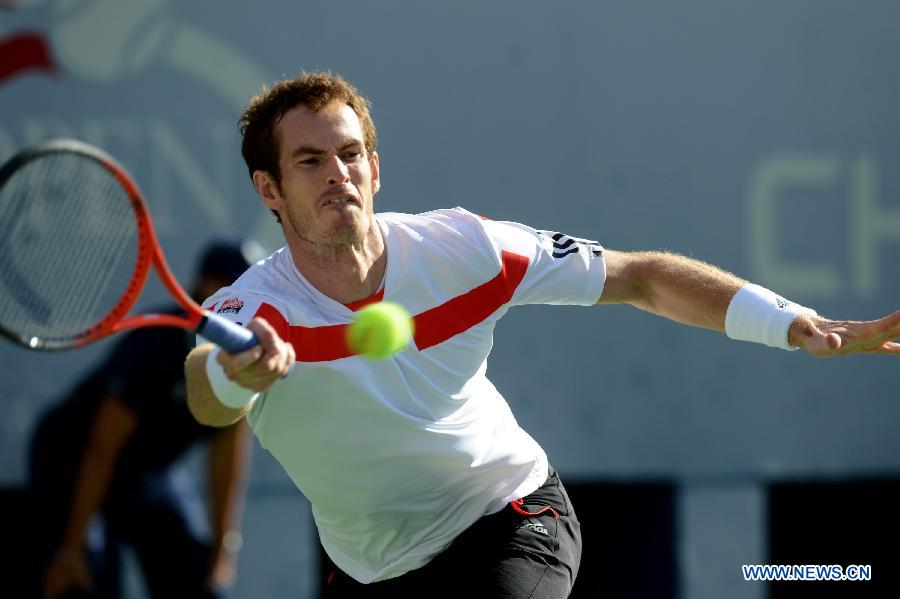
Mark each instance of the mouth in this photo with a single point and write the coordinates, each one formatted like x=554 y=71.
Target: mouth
x=341 y=201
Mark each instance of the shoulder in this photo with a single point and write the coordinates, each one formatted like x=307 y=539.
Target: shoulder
x=446 y=221
x=458 y=227
x=449 y=227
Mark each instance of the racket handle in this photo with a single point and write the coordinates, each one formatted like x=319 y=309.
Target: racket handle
x=231 y=337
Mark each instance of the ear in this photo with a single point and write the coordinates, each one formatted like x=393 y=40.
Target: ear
x=374 y=166
x=267 y=189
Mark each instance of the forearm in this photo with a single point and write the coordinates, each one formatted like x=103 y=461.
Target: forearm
x=676 y=287
x=229 y=455
x=93 y=483
x=113 y=425
x=202 y=401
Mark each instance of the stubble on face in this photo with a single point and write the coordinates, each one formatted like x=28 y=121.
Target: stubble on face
x=346 y=232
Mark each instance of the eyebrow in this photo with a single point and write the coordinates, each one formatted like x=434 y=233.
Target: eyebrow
x=319 y=152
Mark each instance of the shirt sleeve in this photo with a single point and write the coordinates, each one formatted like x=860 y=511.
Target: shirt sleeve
x=562 y=269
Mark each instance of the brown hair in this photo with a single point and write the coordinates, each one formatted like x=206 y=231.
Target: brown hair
x=314 y=90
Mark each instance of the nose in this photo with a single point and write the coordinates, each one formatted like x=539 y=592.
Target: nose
x=337 y=171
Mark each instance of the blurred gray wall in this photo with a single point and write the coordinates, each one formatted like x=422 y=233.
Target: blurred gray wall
x=762 y=136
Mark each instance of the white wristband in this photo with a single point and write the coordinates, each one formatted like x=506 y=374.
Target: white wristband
x=759 y=315
x=229 y=393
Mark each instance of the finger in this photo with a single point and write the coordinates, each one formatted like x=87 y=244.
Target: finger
x=245 y=359
x=280 y=361
x=889 y=326
x=272 y=358
x=251 y=382
x=894 y=330
x=234 y=362
x=256 y=379
x=268 y=369
x=869 y=337
x=259 y=325
x=272 y=363
x=266 y=335
x=284 y=365
x=817 y=342
x=833 y=341
x=893 y=321
x=289 y=358
x=890 y=348
x=264 y=384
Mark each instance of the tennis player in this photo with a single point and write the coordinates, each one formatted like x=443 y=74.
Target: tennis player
x=421 y=481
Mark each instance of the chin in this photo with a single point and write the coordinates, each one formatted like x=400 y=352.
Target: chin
x=348 y=233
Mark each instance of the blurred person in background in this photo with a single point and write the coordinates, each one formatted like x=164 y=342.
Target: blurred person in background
x=103 y=467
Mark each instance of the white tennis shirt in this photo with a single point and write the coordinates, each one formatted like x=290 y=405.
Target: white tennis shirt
x=399 y=456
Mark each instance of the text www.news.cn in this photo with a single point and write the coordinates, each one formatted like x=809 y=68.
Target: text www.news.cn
x=811 y=572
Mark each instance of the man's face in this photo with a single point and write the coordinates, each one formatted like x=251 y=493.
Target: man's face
x=328 y=180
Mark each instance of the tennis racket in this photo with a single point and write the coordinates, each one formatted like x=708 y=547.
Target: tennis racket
x=76 y=248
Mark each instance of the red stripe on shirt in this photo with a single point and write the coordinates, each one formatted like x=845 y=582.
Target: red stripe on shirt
x=311 y=344
x=434 y=326
x=471 y=308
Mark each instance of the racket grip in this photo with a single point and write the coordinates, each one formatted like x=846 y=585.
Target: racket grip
x=231 y=337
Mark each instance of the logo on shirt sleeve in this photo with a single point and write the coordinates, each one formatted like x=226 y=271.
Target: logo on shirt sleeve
x=232 y=305
x=565 y=245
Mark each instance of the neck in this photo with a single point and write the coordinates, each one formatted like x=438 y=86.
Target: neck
x=346 y=273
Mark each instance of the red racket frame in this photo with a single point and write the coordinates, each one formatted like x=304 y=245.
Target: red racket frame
x=227 y=334
x=149 y=254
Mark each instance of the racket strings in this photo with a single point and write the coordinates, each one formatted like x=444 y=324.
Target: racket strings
x=107 y=242
x=69 y=245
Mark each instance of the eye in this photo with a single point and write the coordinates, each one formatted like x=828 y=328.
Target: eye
x=351 y=155
x=308 y=161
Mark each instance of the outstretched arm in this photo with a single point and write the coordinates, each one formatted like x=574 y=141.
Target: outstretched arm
x=675 y=287
x=699 y=294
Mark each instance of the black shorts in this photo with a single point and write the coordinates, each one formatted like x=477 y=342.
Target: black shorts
x=507 y=555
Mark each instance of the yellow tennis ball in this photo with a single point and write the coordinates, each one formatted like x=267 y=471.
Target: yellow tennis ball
x=380 y=330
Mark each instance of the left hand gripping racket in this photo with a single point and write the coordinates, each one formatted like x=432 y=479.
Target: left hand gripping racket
x=76 y=247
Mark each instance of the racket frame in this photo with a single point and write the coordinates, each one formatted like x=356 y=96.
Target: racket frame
x=149 y=254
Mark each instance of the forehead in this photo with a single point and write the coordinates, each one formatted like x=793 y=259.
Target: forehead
x=333 y=126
